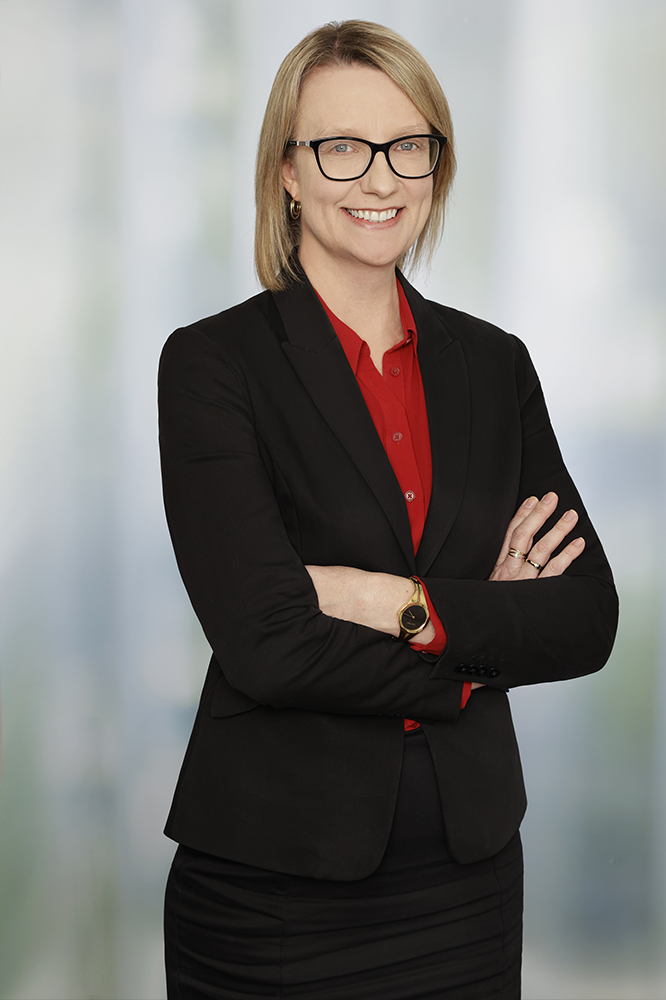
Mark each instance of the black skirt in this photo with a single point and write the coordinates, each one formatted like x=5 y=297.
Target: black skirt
x=421 y=927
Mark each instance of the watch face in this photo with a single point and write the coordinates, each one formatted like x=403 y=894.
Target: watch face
x=413 y=617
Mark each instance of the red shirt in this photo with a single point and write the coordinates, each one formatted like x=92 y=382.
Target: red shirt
x=396 y=402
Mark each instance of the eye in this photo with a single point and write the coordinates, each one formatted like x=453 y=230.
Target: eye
x=408 y=146
x=341 y=147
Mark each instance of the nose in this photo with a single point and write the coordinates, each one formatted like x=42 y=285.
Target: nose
x=379 y=179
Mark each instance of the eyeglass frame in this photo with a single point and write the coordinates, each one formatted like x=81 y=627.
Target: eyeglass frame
x=375 y=147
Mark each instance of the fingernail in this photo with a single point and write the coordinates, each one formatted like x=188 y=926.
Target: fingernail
x=579 y=542
x=530 y=502
x=569 y=516
x=548 y=498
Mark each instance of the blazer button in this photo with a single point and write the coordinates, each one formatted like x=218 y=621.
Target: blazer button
x=481 y=671
x=472 y=670
x=494 y=672
x=462 y=669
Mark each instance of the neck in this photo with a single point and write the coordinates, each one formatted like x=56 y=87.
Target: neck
x=363 y=297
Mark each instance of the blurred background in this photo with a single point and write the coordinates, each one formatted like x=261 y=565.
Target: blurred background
x=127 y=138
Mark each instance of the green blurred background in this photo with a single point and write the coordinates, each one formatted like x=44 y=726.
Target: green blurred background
x=127 y=137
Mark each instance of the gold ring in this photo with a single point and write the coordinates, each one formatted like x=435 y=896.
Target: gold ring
x=517 y=554
x=532 y=563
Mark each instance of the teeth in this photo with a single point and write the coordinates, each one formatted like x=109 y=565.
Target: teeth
x=374 y=216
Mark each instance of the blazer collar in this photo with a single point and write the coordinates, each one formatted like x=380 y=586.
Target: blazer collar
x=316 y=355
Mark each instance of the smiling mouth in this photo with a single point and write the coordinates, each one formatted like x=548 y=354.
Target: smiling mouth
x=390 y=213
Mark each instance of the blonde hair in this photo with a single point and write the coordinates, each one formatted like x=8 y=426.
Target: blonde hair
x=342 y=43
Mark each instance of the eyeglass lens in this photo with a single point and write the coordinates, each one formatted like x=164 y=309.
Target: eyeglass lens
x=344 y=159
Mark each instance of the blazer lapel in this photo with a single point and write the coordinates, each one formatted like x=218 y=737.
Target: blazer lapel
x=319 y=361
x=447 y=395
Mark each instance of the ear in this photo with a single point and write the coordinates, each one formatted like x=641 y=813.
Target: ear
x=289 y=177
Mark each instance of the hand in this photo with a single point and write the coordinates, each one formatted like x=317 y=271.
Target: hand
x=528 y=519
x=371 y=599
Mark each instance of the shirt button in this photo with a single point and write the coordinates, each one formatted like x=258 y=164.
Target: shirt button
x=397 y=436
x=410 y=495
x=395 y=371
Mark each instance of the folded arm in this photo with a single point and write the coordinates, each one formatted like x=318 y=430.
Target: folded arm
x=374 y=599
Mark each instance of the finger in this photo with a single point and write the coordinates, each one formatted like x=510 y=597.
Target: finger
x=544 y=548
x=563 y=559
x=520 y=515
x=526 y=529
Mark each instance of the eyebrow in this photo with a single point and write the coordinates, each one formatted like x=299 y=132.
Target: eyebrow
x=336 y=130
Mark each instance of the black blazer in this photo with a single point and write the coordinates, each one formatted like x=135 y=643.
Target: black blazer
x=270 y=460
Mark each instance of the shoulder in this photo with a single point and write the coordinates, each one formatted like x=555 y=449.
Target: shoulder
x=474 y=331
x=228 y=339
x=227 y=330
x=487 y=346
x=447 y=324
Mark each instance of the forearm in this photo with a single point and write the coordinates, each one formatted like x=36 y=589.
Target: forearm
x=370 y=599
x=524 y=632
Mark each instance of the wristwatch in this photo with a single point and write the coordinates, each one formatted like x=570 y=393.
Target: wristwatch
x=414 y=616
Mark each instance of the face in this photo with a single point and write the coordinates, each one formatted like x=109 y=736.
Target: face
x=363 y=102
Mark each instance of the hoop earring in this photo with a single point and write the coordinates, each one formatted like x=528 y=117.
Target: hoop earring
x=294 y=209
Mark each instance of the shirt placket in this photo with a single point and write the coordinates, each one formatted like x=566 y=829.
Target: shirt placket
x=389 y=390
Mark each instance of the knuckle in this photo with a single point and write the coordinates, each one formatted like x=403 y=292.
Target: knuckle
x=509 y=569
x=559 y=564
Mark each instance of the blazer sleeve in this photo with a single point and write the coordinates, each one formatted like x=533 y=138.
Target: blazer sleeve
x=526 y=632
x=255 y=600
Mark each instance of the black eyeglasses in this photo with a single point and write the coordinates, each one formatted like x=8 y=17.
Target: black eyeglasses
x=343 y=158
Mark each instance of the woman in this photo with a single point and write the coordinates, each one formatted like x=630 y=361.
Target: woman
x=342 y=461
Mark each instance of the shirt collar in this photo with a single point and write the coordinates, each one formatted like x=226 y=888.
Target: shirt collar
x=353 y=345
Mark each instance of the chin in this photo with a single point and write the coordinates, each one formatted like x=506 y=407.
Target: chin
x=377 y=257
x=380 y=260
